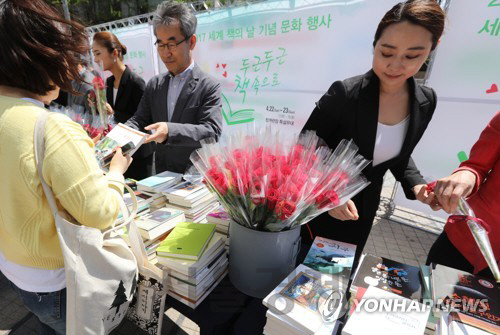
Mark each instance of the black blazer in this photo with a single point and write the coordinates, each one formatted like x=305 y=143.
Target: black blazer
x=129 y=95
x=350 y=110
x=197 y=115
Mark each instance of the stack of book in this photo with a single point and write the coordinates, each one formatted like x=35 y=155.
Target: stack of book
x=381 y=312
x=194 y=199
x=465 y=303
x=331 y=257
x=144 y=202
x=221 y=219
x=306 y=302
x=391 y=293
x=193 y=254
x=155 y=226
x=155 y=185
x=155 y=223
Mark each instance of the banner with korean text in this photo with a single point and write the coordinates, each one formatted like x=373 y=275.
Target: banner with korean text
x=275 y=59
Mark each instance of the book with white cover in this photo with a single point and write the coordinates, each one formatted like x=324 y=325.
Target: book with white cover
x=118 y=137
x=191 y=268
x=308 y=299
x=408 y=320
x=159 y=222
x=186 y=193
x=205 y=199
x=195 y=303
x=196 y=291
x=204 y=272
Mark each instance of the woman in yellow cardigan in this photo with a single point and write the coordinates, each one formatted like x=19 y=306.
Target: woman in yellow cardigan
x=38 y=56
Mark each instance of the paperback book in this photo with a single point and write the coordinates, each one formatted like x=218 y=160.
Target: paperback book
x=157 y=182
x=409 y=318
x=187 y=240
x=309 y=300
x=332 y=257
x=190 y=268
x=118 y=137
x=468 y=298
x=159 y=222
x=386 y=274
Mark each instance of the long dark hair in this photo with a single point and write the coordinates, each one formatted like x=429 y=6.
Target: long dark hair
x=425 y=13
x=39 y=49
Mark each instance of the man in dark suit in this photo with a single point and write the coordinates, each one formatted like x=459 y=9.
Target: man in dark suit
x=182 y=106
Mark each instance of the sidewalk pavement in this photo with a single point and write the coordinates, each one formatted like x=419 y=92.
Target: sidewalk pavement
x=408 y=242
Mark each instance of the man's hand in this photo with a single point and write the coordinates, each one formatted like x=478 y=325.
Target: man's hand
x=347 y=211
x=449 y=190
x=160 y=132
x=426 y=197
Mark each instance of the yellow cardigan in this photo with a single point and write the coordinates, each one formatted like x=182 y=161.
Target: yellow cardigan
x=27 y=230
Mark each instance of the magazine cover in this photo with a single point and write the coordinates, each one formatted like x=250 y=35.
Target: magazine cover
x=331 y=257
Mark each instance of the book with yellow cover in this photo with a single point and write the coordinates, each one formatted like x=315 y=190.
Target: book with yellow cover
x=187 y=240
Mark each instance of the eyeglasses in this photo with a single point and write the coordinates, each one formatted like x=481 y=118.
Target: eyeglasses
x=171 y=46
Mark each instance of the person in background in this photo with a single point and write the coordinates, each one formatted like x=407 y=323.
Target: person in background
x=83 y=86
x=182 y=106
x=124 y=91
x=478 y=179
x=386 y=113
x=39 y=55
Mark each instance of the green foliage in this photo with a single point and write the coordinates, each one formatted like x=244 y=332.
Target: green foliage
x=92 y=12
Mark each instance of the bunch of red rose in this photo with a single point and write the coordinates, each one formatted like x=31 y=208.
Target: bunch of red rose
x=267 y=183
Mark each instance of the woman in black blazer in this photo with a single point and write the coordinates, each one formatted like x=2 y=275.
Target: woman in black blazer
x=368 y=108
x=124 y=91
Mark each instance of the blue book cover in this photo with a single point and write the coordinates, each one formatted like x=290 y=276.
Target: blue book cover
x=331 y=257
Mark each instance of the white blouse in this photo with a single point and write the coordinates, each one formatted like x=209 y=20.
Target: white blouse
x=389 y=140
x=115 y=92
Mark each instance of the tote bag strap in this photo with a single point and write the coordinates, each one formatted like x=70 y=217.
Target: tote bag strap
x=39 y=156
x=136 y=242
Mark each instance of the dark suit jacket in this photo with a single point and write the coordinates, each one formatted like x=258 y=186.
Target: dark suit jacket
x=350 y=110
x=197 y=115
x=128 y=97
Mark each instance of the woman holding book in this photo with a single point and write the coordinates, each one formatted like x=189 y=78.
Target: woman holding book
x=478 y=179
x=39 y=55
x=386 y=113
x=124 y=91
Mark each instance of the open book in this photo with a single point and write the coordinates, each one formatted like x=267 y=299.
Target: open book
x=119 y=136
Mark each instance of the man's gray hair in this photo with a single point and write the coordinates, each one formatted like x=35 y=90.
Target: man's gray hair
x=170 y=12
